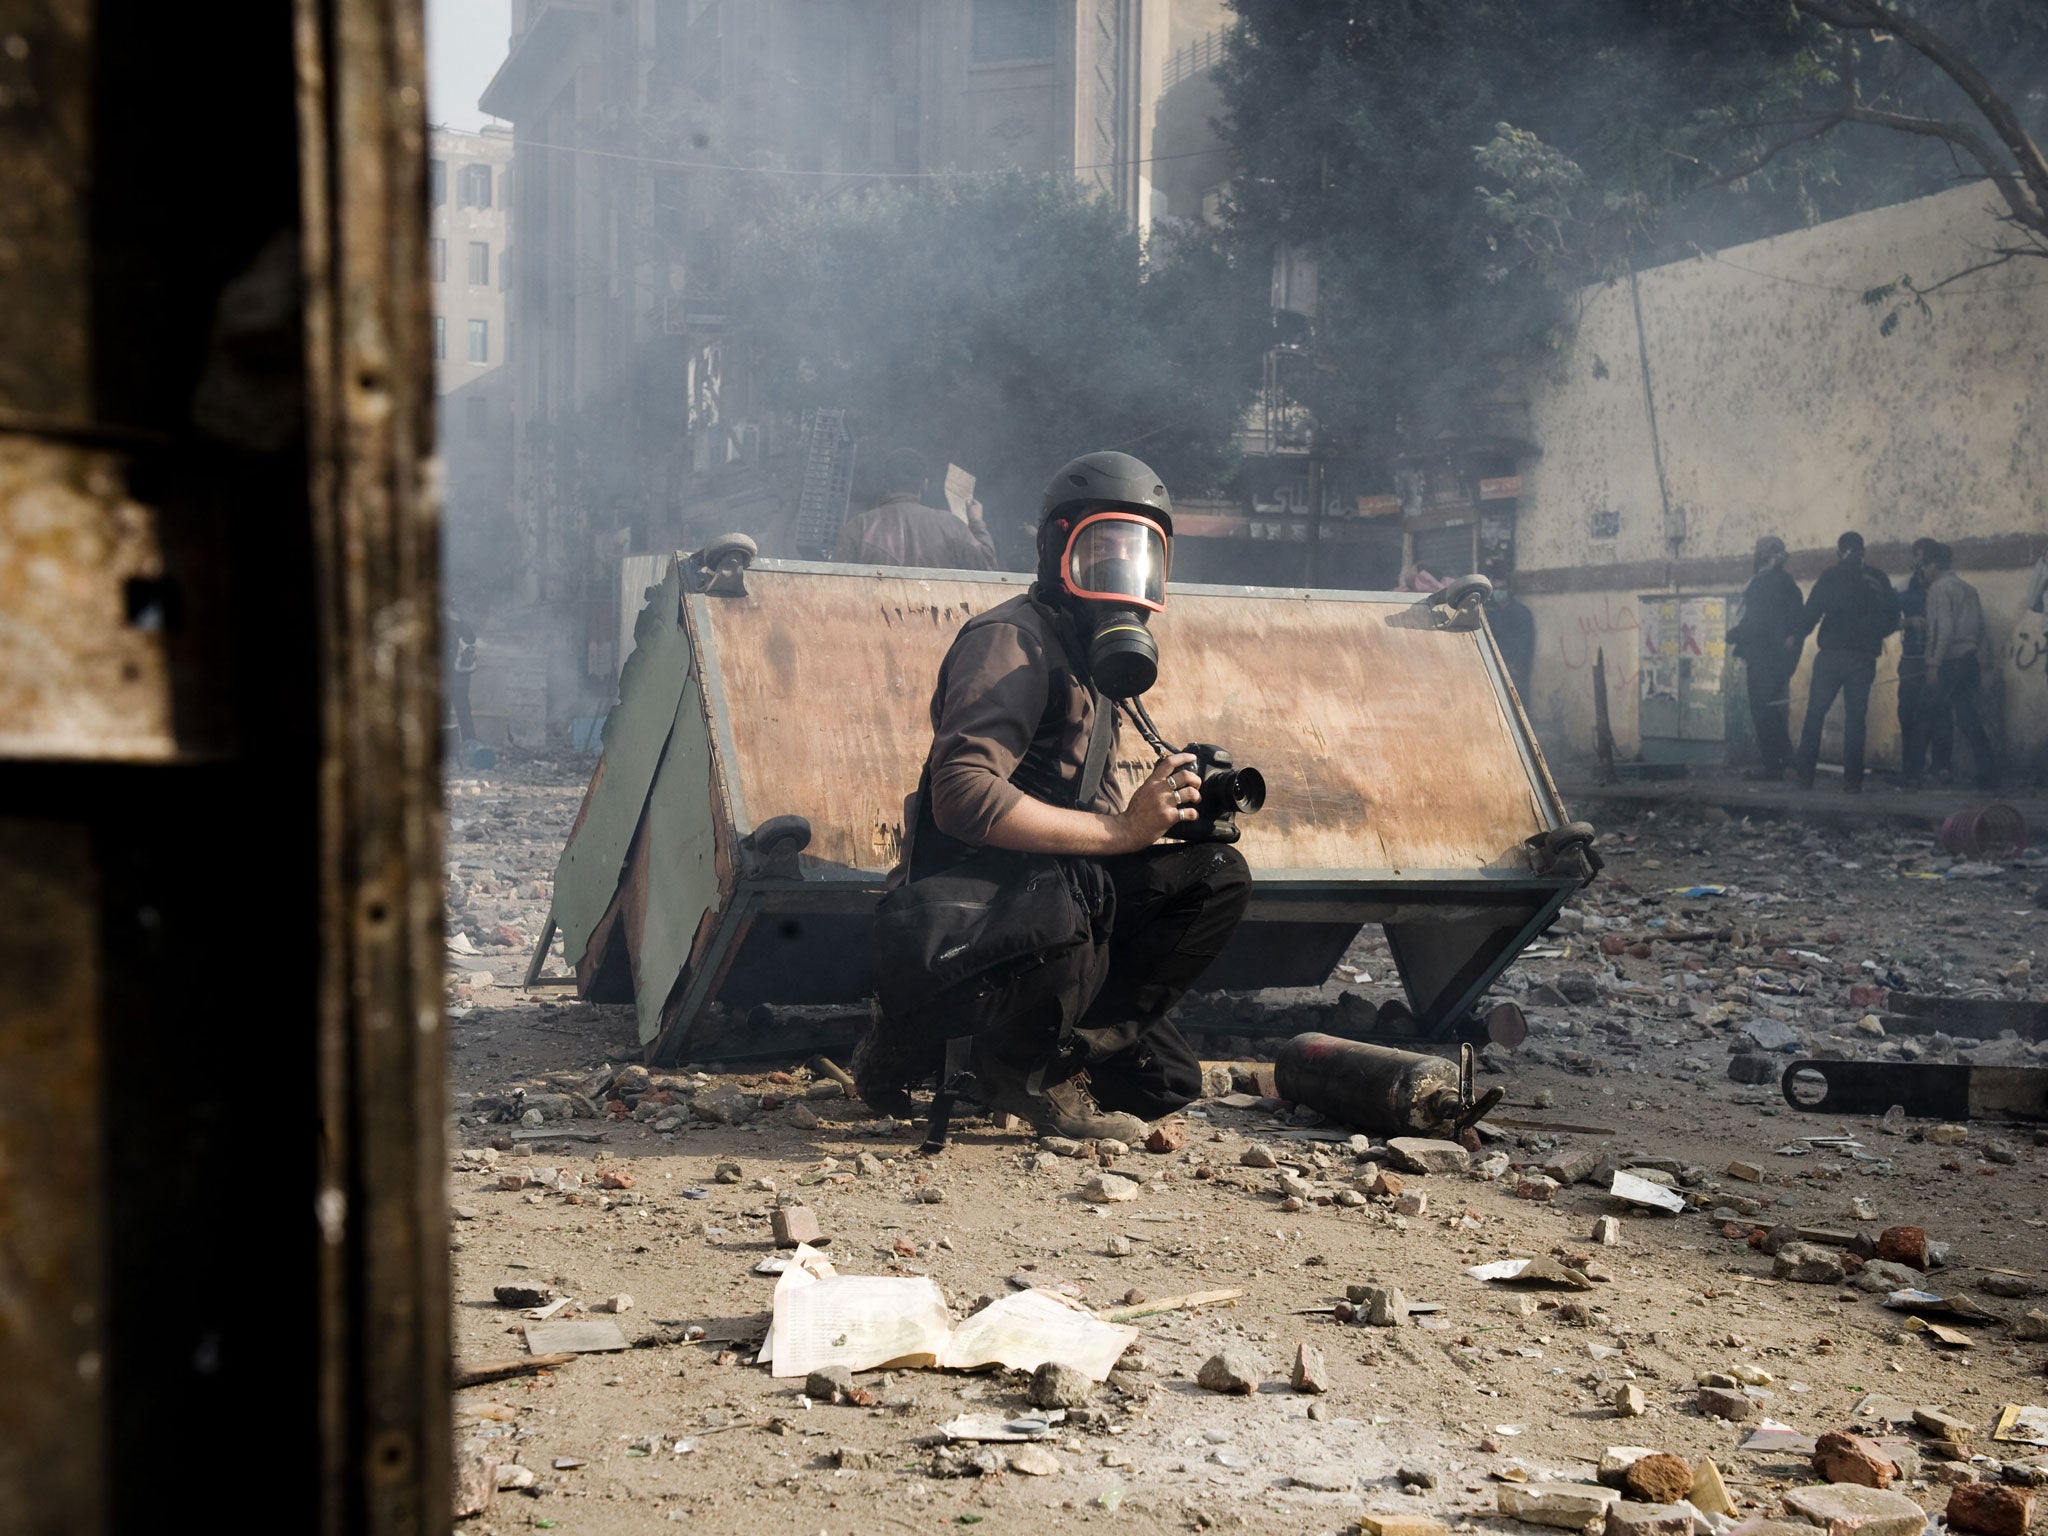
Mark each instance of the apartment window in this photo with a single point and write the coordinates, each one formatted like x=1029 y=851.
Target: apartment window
x=473 y=187
x=437 y=259
x=480 y=262
x=437 y=183
x=479 y=341
x=440 y=337
x=1013 y=29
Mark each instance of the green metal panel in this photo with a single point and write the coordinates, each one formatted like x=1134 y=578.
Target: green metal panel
x=682 y=877
x=636 y=733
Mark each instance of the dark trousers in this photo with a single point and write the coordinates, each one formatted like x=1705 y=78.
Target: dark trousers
x=1770 y=711
x=1952 y=706
x=1176 y=906
x=1850 y=675
x=1918 y=736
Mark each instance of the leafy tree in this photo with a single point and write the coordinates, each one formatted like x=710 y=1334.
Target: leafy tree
x=1460 y=168
x=1006 y=323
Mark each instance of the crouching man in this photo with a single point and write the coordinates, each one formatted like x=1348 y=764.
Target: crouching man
x=1041 y=930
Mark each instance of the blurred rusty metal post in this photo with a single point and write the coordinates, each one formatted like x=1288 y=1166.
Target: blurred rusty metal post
x=381 y=1202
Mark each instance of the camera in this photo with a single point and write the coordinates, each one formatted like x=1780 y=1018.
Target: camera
x=1226 y=789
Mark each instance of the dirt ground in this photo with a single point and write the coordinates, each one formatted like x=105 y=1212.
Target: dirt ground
x=1628 y=1055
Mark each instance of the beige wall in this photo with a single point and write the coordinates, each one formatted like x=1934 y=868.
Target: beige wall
x=456 y=300
x=1782 y=408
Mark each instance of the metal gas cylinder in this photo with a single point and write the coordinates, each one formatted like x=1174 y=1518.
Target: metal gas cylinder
x=1374 y=1089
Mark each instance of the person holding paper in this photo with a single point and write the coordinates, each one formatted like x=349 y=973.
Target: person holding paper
x=901 y=530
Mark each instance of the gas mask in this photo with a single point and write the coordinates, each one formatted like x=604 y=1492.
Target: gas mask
x=1112 y=574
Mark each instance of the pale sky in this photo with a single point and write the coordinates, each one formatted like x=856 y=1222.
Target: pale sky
x=465 y=46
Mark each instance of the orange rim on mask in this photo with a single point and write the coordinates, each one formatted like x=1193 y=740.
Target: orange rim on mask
x=1116 y=557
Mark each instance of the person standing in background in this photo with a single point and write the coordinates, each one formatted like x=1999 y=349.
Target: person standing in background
x=1955 y=648
x=1514 y=631
x=1767 y=638
x=902 y=530
x=1855 y=608
x=1917 y=740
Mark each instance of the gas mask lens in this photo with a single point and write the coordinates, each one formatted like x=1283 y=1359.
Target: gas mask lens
x=1116 y=557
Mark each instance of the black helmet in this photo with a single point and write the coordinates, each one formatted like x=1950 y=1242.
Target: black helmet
x=1115 y=478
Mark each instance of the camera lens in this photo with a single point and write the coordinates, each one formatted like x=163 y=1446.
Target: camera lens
x=1246 y=788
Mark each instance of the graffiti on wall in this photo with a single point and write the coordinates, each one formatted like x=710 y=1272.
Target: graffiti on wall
x=1606 y=623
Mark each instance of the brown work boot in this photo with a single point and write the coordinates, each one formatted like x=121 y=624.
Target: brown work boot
x=1056 y=1109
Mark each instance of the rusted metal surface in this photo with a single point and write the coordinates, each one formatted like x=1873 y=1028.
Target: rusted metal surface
x=1383 y=740
x=52 y=1301
x=382 y=1196
x=104 y=617
x=46 y=264
x=1375 y=1089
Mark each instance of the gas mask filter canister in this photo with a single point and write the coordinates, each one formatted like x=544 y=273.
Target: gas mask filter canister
x=1116 y=563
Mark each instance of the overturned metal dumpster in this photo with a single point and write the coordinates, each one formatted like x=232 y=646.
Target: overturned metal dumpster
x=749 y=802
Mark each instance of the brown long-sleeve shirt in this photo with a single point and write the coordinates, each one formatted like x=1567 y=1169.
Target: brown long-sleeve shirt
x=904 y=531
x=1009 y=718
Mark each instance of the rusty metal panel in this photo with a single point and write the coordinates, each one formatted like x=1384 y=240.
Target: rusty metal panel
x=1385 y=741
x=382 y=1200
x=104 y=615
x=46 y=265
x=52 y=1282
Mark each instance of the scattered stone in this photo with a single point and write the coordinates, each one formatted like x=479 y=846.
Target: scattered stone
x=1749 y=1375
x=1385 y=1307
x=1572 y=1167
x=1061 y=1146
x=2033 y=1327
x=616 y=1304
x=1659 y=1478
x=1753 y=1067
x=1310 y=1373
x=1629 y=1401
x=1709 y=1492
x=1421 y=1154
x=1881 y=1275
x=1845 y=1509
x=2011 y=1286
x=1231 y=1371
x=1570 y=1506
x=1616 y=1460
x=1536 y=1186
x=1414 y=1203
x=522 y=1295
x=1725 y=1403
x=1949 y=1135
x=1388 y=1184
x=1607 y=1231
x=1846 y=1458
x=802 y=1117
x=1118 y=1247
x=1329 y=1478
x=1808 y=1264
x=795 y=1224
x=1944 y=1426
x=1749 y=1173
x=1108 y=1189
x=1894 y=1121
x=1054 y=1385
x=1372 y=1523
x=1415 y=1477
x=728 y=1173
x=724 y=1105
x=1292 y=1186
x=1999 y=1150
x=1167 y=1136
x=829 y=1384
x=1257 y=1156
x=1989 y=1510
x=1035 y=1461
x=1626 y=1519
x=1903 y=1245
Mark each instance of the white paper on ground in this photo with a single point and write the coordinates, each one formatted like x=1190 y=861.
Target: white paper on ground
x=1024 y=1330
x=1499 y=1269
x=805 y=1267
x=858 y=1321
x=987 y=1427
x=1642 y=1192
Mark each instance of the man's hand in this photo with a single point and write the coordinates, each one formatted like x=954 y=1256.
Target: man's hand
x=974 y=514
x=1164 y=800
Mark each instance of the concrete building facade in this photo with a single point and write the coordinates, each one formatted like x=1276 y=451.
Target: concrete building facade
x=639 y=127
x=1761 y=394
x=468 y=202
